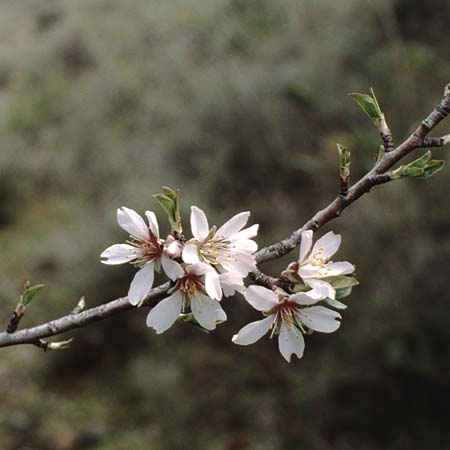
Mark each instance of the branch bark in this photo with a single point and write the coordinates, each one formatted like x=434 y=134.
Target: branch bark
x=277 y=250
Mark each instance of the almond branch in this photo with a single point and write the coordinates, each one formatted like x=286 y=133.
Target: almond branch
x=377 y=175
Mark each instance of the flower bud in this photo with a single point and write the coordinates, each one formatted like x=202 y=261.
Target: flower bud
x=172 y=247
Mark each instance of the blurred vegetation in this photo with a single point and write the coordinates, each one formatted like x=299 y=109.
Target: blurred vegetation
x=240 y=104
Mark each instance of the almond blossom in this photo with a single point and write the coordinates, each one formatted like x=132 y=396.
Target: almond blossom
x=196 y=290
x=145 y=250
x=315 y=263
x=228 y=249
x=289 y=316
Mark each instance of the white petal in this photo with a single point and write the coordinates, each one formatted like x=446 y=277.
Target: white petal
x=305 y=245
x=330 y=244
x=243 y=263
x=153 y=222
x=162 y=316
x=199 y=223
x=190 y=253
x=303 y=298
x=198 y=269
x=207 y=311
x=339 y=268
x=141 y=284
x=321 y=289
x=133 y=223
x=261 y=298
x=119 y=254
x=247 y=233
x=231 y=283
x=245 y=245
x=233 y=225
x=309 y=271
x=212 y=285
x=171 y=268
x=290 y=341
x=320 y=319
x=254 y=331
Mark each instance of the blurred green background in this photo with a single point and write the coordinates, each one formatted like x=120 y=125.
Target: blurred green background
x=240 y=104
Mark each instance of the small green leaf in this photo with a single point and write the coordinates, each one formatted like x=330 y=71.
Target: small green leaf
x=343 y=292
x=29 y=293
x=170 y=202
x=421 y=168
x=335 y=304
x=341 y=281
x=369 y=104
x=432 y=168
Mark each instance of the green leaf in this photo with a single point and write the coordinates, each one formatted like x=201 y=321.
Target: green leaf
x=433 y=167
x=421 y=168
x=335 y=304
x=344 y=161
x=369 y=104
x=343 y=292
x=29 y=293
x=169 y=200
x=341 y=281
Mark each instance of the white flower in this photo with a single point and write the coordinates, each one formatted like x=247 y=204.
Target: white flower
x=315 y=264
x=227 y=249
x=288 y=317
x=198 y=289
x=144 y=249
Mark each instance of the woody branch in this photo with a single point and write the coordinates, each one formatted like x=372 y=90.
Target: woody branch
x=379 y=174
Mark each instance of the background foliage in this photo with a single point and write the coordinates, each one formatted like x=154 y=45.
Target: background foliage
x=239 y=103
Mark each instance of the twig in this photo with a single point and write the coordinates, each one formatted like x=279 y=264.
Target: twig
x=333 y=210
x=364 y=185
x=70 y=322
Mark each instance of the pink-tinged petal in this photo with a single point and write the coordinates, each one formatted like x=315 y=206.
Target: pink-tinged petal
x=242 y=263
x=329 y=244
x=245 y=245
x=153 y=223
x=233 y=225
x=247 y=233
x=132 y=223
x=119 y=254
x=254 y=331
x=162 y=316
x=171 y=268
x=320 y=319
x=212 y=285
x=198 y=269
x=261 y=298
x=141 y=284
x=305 y=245
x=190 y=253
x=338 y=268
x=231 y=283
x=290 y=341
x=303 y=298
x=199 y=223
x=207 y=312
x=321 y=289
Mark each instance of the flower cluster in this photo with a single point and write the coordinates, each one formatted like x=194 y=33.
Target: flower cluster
x=215 y=262
x=205 y=268
x=314 y=279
